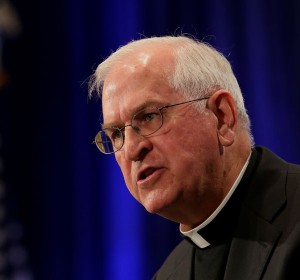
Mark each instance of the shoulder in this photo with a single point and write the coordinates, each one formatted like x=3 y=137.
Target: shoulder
x=276 y=189
x=294 y=169
x=293 y=188
x=272 y=166
x=276 y=167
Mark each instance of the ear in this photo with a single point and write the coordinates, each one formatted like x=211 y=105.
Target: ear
x=223 y=106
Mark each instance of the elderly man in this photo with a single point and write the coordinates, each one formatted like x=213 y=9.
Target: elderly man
x=174 y=117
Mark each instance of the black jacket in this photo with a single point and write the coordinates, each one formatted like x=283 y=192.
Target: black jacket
x=265 y=243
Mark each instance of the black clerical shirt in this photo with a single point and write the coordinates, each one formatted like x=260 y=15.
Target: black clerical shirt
x=210 y=262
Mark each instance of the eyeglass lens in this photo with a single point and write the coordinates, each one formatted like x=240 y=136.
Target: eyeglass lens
x=145 y=122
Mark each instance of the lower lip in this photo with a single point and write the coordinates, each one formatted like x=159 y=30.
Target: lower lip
x=150 y=180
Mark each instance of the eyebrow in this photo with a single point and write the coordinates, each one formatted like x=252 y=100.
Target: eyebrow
x=110 y=125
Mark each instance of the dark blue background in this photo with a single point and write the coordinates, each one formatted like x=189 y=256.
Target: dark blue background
x=80 y=221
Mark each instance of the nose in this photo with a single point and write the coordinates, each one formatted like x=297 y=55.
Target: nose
x=135 y=145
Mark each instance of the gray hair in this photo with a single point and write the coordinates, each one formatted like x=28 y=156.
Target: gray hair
x=199 y=70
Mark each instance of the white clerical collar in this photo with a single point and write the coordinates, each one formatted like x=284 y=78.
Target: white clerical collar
x=193 y=233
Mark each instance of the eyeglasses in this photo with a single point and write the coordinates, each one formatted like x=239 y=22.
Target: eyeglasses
x=144 y=123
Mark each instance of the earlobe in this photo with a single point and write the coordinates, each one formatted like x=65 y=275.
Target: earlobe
x=223 y=107
x=226 y=136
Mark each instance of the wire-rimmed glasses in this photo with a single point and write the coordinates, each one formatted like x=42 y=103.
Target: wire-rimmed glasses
x=145 y=122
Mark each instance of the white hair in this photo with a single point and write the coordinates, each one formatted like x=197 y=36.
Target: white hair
x=199 y=70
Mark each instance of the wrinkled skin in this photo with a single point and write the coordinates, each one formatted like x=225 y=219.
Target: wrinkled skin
x=183 y=171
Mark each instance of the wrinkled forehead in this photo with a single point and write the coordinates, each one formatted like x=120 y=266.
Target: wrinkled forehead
x=136 y=80
x=147 y=65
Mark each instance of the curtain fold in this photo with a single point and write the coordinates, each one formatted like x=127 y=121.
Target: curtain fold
x=79 y=219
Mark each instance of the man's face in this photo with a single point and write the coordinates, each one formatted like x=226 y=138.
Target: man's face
x=174 y=168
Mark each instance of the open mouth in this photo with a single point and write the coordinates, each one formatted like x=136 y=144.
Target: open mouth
x=146 y=173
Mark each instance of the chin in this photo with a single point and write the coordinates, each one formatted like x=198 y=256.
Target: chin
x=157 y=202
x=151 y=208
x=158 y=207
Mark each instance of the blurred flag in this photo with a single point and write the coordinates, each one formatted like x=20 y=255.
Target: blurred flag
x=14 y=260
x=9 y=27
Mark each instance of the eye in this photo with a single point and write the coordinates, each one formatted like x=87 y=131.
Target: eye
x=146 y=116
x=114 y=134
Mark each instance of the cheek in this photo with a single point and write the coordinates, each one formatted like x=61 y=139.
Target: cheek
x=187 y=142
x=189 y=150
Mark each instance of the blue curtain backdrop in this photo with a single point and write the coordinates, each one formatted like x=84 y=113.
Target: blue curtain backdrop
x=79 y=220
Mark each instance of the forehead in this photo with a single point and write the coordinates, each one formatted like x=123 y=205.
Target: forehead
x=134 y=83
